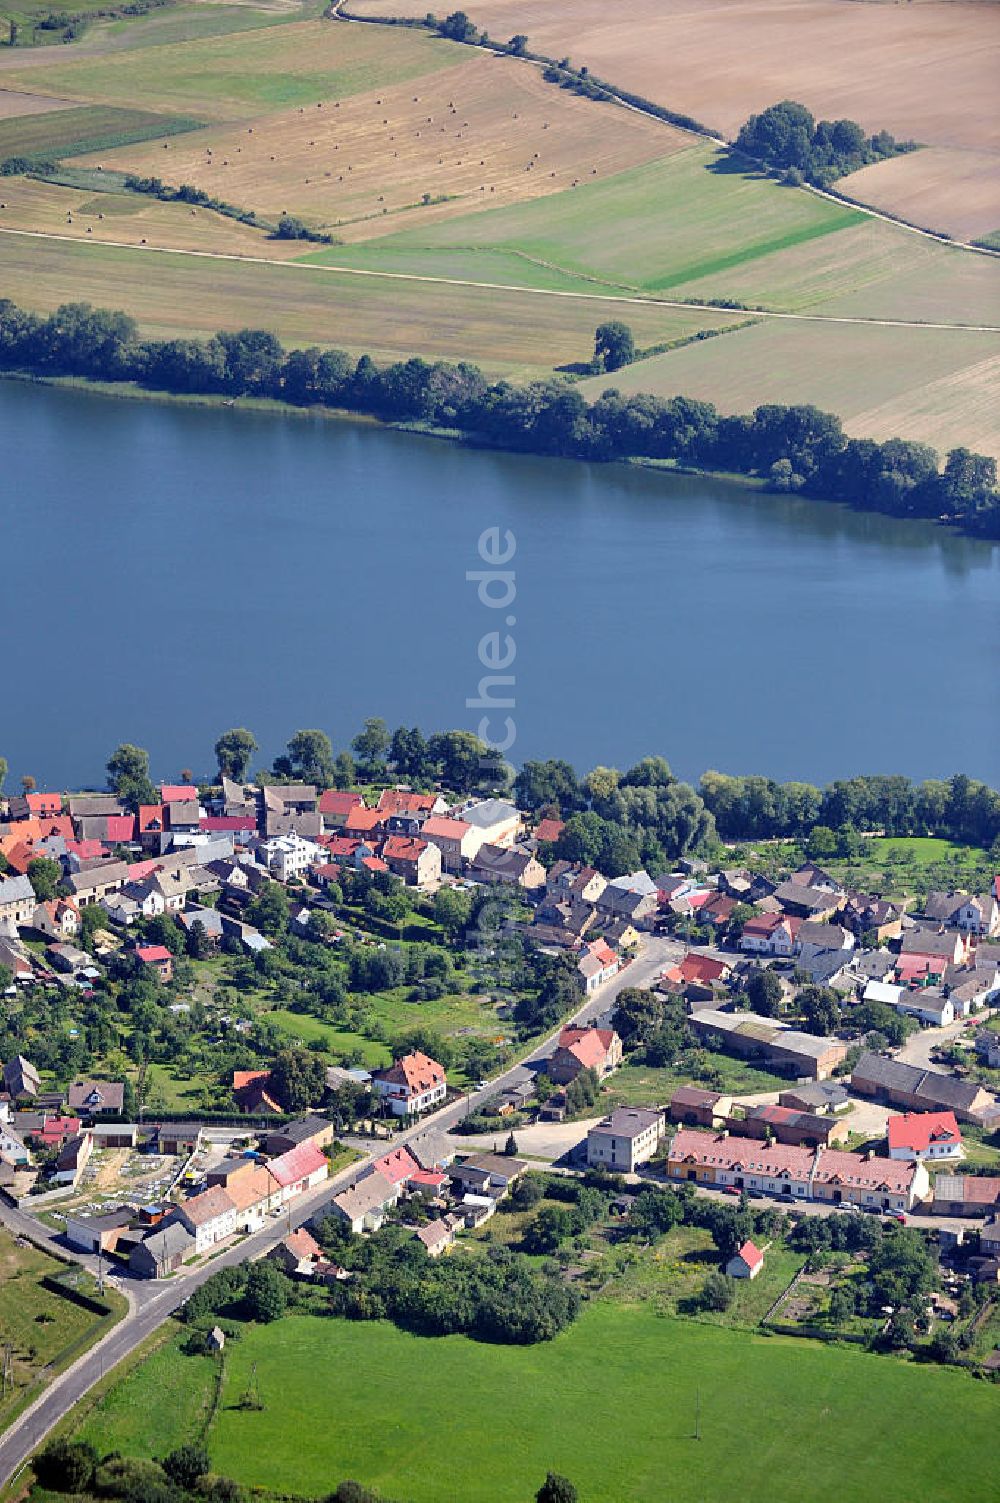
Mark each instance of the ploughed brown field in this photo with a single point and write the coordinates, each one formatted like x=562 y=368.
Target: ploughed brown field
x=954 y=192
x=487 y=132
x=926 y=71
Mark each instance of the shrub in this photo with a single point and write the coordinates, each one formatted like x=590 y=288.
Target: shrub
x=66 y=1466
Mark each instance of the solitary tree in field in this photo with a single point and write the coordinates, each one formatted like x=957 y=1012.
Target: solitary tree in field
x=613 y=346
x=518 y=45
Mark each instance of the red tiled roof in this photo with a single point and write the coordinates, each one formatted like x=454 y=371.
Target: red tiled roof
x=764 y=924
x=150 y=815
x=549 y=829
x=417 y=1071
x=340 y=845
x=751 y=1254
x=338 y=801
x=303 y=1244
x=242 y=1078
x=44 y=803
x=362 y=819
x=139 y=870
x=374 y=864
x=397 y=1166
x=150 y=953
x=299 y=1162
x=589 y=1045
x=403 y=848
x=86 y=850
x=178 y=793
x=697 y=968
x=208 y=1206
x=445 y=827
x=427 y=1179
x=402 y=801
x=120 y=828
x=922 y=1130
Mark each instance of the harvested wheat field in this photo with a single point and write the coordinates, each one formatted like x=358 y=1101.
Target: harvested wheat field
x=954 y=192
x=940 y=386
x=13 y=104
x=520 y=334
x=484 y=133
x=926 y=71
x=82 y=214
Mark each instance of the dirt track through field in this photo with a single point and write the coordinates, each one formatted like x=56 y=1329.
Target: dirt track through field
x=597 y=297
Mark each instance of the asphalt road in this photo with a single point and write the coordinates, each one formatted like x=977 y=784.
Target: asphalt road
x=150 y=1302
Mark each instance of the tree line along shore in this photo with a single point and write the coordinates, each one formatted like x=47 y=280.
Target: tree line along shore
x=791 y=448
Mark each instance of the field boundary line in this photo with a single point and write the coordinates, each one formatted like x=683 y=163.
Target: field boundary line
x=404 y=276
x=610 y=93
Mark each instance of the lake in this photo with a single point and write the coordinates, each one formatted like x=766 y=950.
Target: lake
x=171 y=571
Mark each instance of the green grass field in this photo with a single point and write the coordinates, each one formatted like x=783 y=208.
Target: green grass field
x=41 y=1326
x=610 y=1403
x=246 y=73
x=654 y=227
x=643 y=1085
x=72 y=132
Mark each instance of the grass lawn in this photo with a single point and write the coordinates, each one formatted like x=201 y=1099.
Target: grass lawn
x=302 y=1026
x=156 y=1406
x=430 y=1418
x=42 y=1326
x=642 y=1085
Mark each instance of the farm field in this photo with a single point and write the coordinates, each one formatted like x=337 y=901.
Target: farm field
x=941 y=387
x=233 y=76
x=72 y=131
x=512 y=1413
x=722 y=60
x=171 y=23
x=42 y=1326
x=518 y=333
x=82 y=213
x=483 y=132
x=13 y=104
x=954 y=192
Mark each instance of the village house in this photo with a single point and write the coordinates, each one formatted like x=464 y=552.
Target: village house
x=978 y=915
x=288 y=857
x=20 y=1078
x=804 y=902
x=785 y=1124
x=493 y=821
x=794 y=1172
x=252 y=1091
x=156 y=960
x=597 y=965
x=876 y=918
x=494 y=863
x=73 y=1159
x=178 y=1139
x=13 y=1149
x=597 y=1049
x=770 y=934
x=456 y=839
x=299 y=1169
x=436 y=1237
x=253 y=1195
x=924 y=1135
x=162 y=1252
x=310 y=1129
x=363 y=1205
x=59 y=919
x=411 y=1085
x=697 y=1107
x=17 y=904
x=298 y=1254
x=922 y=942
x=97 y=1233
x=210 y=1217
x=91 y=1097
x=416 y=862
x=94 y=883
x=746 y=1263
x=624 y=1139
x=584 y=883
x=489 y=1174
x=817 y=1096
x=335 y=805
x=636 y=903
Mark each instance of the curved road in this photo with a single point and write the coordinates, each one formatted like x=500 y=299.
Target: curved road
x=152 y=1302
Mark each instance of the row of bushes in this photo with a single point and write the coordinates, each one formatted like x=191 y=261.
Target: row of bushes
x=792 y=448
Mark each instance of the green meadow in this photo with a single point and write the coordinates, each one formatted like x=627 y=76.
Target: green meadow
x=611 y=1403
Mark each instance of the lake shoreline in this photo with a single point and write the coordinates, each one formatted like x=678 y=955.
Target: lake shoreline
x=132 y=391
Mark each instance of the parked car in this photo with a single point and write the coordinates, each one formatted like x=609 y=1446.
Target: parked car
x=899 y=1216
